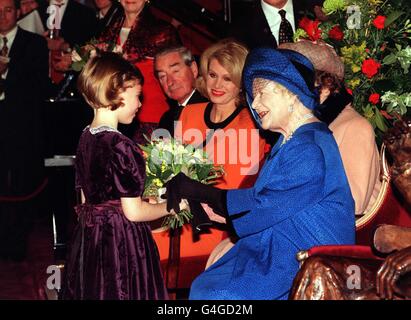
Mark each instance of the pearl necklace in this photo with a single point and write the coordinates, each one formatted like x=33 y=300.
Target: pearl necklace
x=299 y=123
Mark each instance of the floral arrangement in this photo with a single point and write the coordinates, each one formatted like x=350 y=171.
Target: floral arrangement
x=80 y=55
x=373 y=39
x=165 y=158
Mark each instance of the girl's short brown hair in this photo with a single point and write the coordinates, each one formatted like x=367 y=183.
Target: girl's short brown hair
x=231 y=55
x=105 y=77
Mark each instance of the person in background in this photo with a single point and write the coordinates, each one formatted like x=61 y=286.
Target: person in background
x=78 y=23
x=272 y=22
x=69 y=23
x=27 y=6
x=107 y=12
x=24 y=85
x=177 y=71
x=140 y=36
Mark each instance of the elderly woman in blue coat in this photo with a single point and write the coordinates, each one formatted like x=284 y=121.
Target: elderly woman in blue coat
x=301 y=198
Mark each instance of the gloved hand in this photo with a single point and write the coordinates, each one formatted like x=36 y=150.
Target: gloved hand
x=182 y=187
x=200 y=218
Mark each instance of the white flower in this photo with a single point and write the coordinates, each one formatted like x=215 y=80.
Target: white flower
x=181 y=150
x=388 y=97
x=199 y=154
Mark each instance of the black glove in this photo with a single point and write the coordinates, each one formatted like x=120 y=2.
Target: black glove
x=200 y=218
x=182 y=187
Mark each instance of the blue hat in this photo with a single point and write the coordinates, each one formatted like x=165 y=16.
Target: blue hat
x=285 y=67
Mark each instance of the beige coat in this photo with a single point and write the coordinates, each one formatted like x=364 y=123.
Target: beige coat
x=356 y=140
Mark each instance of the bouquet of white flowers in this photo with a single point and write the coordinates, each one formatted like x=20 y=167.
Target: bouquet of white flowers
x=80 y=55
x=165 y=159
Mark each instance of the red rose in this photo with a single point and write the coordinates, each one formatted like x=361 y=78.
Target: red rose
x=349 y=91
x=370 y=67
x=311 y=28
x=336 y=33
x=374 y=98
x=379 y=22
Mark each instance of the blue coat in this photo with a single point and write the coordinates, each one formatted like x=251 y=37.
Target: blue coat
x=301 y=199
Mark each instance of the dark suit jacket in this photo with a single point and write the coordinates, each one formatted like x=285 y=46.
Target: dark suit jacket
x=111 y=16
x=79 y=22
x=173 y=114
x=21 y=135
x=255 y=32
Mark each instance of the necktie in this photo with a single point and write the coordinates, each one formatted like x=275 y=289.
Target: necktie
x=5 y=50
x=286 y=30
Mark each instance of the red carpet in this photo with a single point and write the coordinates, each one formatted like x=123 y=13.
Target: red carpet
x=26 y=280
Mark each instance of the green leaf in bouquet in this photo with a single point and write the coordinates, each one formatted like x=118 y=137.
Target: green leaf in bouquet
x=77 y=65
x=167 y=156
x=390 y=59
x=186 y=158
x=189 y=148
x=154 y=168
x=165 y=176
x=393 y=16
x=177 y=220
x=156 y=159
x=202 y=171
x=176 y=168
x=185 y=169
x=380 y=121
x=147 y=148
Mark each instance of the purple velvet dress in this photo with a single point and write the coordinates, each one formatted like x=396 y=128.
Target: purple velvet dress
x=110 y=257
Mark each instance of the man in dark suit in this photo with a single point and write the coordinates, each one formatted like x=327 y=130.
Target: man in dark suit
x=24 y=85
x=107 y=12
x=78 y=22
x=261 y=27
x=176 y=70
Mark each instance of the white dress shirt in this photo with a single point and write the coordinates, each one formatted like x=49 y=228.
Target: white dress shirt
x=186 y=100
x=274 y=18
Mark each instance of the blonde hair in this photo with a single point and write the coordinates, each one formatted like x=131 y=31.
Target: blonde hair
x=104 y=78
x=231 y=55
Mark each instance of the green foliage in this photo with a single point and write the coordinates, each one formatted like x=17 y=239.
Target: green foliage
x=388 y=45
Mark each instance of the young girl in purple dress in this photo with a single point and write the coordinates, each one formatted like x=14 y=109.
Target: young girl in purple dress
x=112 y=253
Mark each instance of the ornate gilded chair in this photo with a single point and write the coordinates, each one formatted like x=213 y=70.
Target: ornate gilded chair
x=387 y=209
x=348 y=272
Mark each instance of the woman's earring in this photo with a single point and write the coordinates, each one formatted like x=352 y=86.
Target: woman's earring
x=290 y=108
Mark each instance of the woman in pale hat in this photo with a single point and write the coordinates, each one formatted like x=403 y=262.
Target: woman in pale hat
x=301 y=197
x=354 y=134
